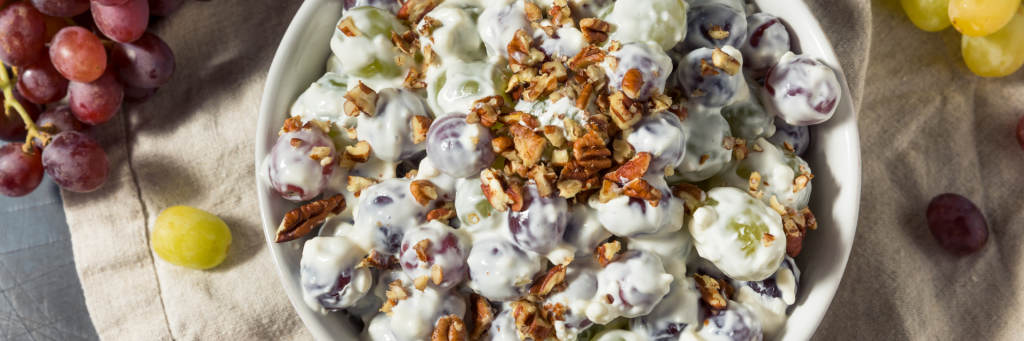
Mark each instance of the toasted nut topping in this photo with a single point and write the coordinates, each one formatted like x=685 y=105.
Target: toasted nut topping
x=421 y=283
x=386 y=309
x=515 y=193
x=530 y=321
x=625 y=112
x=553 y=281
x=634 y=169
x=377 y=260
x=591 y=154
x=493 y=186
x=788 y=146
x=555 y=68
x=299 y=222
x=710 y=291
x=436 y=274
x=295 y=142
x=348 y=27
x=420 y=126
x=323 y=126
x=356 y=184
x=641 y=189
x=423 y=191
x=544 y=177
x=704 y=158
x=595 y=31
x=590 y=55
x=521 y=53
x=421 y=249
x=724 y=61
x=573 y=130
x=319 y=153
x=615 y=45
x=774 y=202
x=740 y=151
x=632 y=82
x=560 y=14
x=609 y=190
x=358 y=153
x=555 y=135
x=584 y=97
x=559 y=158
x=660 y=102
x=698 y=93
x=800 y=183
x=486 y=110
x=809 y=218
x=529 y=145
x=502 y=144
x=692 y=196
x=606 y=252
x=449 y=328
x=729 y=143
x=351 y=133
x=397 y=291
x=680 y=111
x=414 y=80
x=441 y=214
x=291 y=124
x=533 y=12
x=361 y=100
x=414 y=10
x=757 y=148
x=622 y=151
x=569 y=188
x=482 y=313
x=767 y=239
x=706 y=69
x=754 y=183
x=716 y=32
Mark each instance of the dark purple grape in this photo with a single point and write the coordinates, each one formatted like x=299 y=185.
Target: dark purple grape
x=701 y=22
x=639 y=279
x=798 y=137
x=60 y=119
x=386 y=212
x=446 y=149
x=61 y=8
x=735 y=322
x=671 y=316
x=145 y=63
x=122 y=23
x=717 y=89
x=75 y=162
x=164 y=7
x=501 y=283
x=78 y=54
x=769 y=287
x=662 y=136
x=109 y=2
x=388 y=5
x=22 y=34
x=20 y=172
x=767 y=41
x=654 y=65
x=97 y=101
x=294 y=171
x=138 y=95
x=957 y=224
x=801 y=90
x=540 y=225
x=444 y=249
x=12 y=128
x=41 y=83
x=329 y=274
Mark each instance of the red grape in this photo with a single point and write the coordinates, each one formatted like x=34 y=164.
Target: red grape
x=109 y=2
x=76 y=162
x=41 y=83
x=122 y=23
x=97 y=101
x=53 y=25
x=78 y=54
x=164 y=7
x=59 y=120
x=957 y=224
x=137 y=95
x=145 y=63
x=1020 y=131
x=12 y=128
x=61 y=8
x=22 y=34
x=20 y=172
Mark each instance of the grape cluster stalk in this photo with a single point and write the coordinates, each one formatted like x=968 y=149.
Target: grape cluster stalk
x=34 y=132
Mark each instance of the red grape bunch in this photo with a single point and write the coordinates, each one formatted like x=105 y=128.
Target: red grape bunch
x=96 y=54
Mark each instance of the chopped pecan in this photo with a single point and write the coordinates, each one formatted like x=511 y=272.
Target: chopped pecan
x=789 y=147
x=606 y=252
x=704 y=158
x=591 y=153
x=299 y=222
x=634 y=169
x=414 y=10
x=691 y=195
x=624 y=111
x=641 y=189
x=295 y=142
x=482 y=313
x=725 y=62
x=555 y=311
x=449 y=328
x=414 y=80
x=360 y=99
x=291 y=124
x=515 y=194
x=486 y=110
x=609 y=190
x=555 y=135
x=754 y=183
x=530 y=321
x=420 y=283
x=595 y=31
x=323 y=126
x=405 y=42
x=810 y=222
x=767 y=239
x=421 y=249
x=729 y=143
x=622 y=151
x=710 y=291
x=377 y=260
x=584 y=97
x=553 y=281
x=800 y=182
x=441 y=214
x=321 y=154
x=660 y=102
x=775 y=205
x=542 y=85
x=420 y=126
x=533 y=12
x=716 y=32
x=529 y=145
x=554 y=68
x=502 y=144
x=359 y=153
x=544 y=177
x=632 y=82
x=559 y=158
x=436 y=274
x=423 y=191
x=560 y=14
x=356 y=184
x=706 y=69
x=698 y=93
x=348 y=27
x=740 y=151
x=680 y=111
x=573 y=130
x=351 y=133
x=757 y=148
x=521 y=53
x=396 y=291
x=493 y=186
x=590 y=55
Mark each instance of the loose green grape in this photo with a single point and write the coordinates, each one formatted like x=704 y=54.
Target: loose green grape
x=189 y=237
x=998 y=54
x=978 y=18
x=928 y=15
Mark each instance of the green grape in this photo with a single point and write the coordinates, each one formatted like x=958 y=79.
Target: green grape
x=928 y=15
x=748 y=120
x=455 y=89
x=978 y=18
x=190 y=237
x=386 y=69
x=998 y=54
x=373 y=24
x=749 y=230
x=657 y=22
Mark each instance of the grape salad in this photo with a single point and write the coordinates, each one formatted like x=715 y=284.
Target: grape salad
x=553 y=170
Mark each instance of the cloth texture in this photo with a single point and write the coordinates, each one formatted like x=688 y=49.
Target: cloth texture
x=928 y=126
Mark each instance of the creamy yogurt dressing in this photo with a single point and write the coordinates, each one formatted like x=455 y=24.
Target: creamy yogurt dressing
x=376 y=63
x=552 y=114
x=498 y=24
x=630 y=217
x=457 y=37
x=628 y=287
x=567 y=41
x=329 y=277
x=654 y=65
x=778 y=169
x=389 y=130
x=705 y=130
x=728 y=231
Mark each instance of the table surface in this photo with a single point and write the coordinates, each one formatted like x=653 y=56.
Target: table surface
x=40 y=294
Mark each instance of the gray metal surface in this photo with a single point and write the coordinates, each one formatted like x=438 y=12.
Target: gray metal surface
x=40 y=294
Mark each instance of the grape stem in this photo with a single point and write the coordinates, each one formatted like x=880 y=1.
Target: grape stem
x=7 y=84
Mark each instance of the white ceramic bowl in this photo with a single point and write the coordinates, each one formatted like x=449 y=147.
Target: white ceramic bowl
x=834 y=157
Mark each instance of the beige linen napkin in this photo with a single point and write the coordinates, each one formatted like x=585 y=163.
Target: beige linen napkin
x=928 y=126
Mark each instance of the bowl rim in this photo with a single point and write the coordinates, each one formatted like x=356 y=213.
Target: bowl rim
x=809 y=28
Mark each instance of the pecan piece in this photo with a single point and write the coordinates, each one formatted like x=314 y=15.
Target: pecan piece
x=591 y=153
x=691 y=195
x=622 y=151
x=632 y=82
x=706 y=69
x=529 y=144
x=553 y=281
x=530 y=321
x=493 y=186
x=725 y=62
x=502 y=144
x=423 y=191
x=420 y=283
x=348 y=28
x=555 y=135
x=559 y=158
x=716 y=32
x=521 y=53
x=449 y=328
x=291 y=124
x=486 y=110
x=377 y=260
x=360 y=100
x=441 y=214
x=590 y=55
x=609 y=190
x=299 y=222
x=710 y=291
x=595 y=31
x=641 y=189
x=515 y=194
x=420 y=126
x=544 y=177
x=356 y=184
x=533 y=12
x=482 y=313
x=606 y=252
x=414 y=10
x=359 y=153
x=624 y=111
x=634 y=169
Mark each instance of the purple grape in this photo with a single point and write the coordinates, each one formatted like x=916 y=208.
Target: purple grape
x=671 y=316
x=20 y=172
x=41 y=83
x=445 y=249
x=109 y=2
x=60 y=119
x=296 y=172
x=447 y=152
x=701 y=19
x=164 y=7
x=388 y=5
x=122 y=23
x=654 y=65
x=767 y=41
x=78 y=54
x=12 y=128
x=539 y=227
x=76 y=162
x=144 y=63
x=501 y=283
x=632 y=272
x=735 y=322
x=97 y=101
x=716 y=90
x=22 y=34
x=61 y=8
x=799 y=137
x=662 y=136
x=329 y=274
x=138 y=95
x=769 y=287
x=801 y=90
x=386 y=212
x=957 y=224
